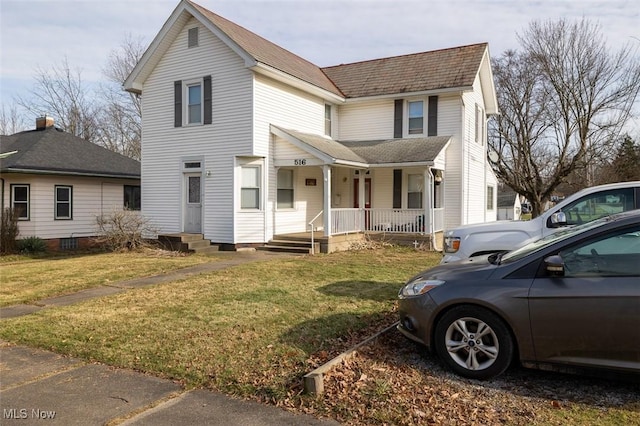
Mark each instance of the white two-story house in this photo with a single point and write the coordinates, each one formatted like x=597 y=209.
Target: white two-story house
x=244 y=140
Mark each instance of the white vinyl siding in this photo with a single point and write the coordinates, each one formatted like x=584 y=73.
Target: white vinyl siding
x=164 y=147
x=91 y=197
x=366 y=120
x=288 y=108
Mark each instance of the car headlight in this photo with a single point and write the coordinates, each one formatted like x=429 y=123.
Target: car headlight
x=451 y=244
x=418 y=287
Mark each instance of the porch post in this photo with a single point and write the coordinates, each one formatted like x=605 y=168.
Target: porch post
x=428 y=204
x=326 y=173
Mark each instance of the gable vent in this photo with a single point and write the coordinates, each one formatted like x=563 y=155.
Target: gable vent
x=193 y=37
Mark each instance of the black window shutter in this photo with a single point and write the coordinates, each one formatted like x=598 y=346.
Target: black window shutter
x=397 y=188
x=432 y=123
x=208 y=115
x=177 y=100
x=397 y=118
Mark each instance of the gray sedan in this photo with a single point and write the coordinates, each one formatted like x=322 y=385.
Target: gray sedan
x=571 y=299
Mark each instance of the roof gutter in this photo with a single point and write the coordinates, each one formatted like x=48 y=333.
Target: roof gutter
x=290 y=80
x=409 y=94
x=57 y=172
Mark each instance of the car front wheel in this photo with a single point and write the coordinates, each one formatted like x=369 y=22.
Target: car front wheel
x=474 y=342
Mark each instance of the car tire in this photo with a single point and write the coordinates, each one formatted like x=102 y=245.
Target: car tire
x=468 y=354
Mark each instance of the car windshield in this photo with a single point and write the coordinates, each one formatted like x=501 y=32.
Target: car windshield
x=560 y=235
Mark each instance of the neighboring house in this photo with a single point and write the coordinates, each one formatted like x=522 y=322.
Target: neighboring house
x=509 y=206
x=243 y=140
x=58 y=184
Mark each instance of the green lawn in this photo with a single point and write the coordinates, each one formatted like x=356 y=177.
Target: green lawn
x=252 y=331
x=28 y=279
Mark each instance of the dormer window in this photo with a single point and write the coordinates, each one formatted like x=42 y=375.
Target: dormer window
x=416 y=117
x=193 y=37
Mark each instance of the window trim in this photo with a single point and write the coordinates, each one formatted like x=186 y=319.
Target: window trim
x=135 y=207
x=490 y=197
x=28 y=201
x=328 y=119
x=187 y=106
x=56 y=202
x=410 y=131
x=421 y=192
x=258 y=188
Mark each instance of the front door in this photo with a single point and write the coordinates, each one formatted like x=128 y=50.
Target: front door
x=193 y=203
x=367 y=198
x=367 y=193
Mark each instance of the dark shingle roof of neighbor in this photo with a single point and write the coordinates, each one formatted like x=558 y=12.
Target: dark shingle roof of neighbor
x=54 y=151
x=439 y=69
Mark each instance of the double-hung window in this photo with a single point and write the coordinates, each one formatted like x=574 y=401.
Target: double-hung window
x=20 y=201
x=490 y=198
x=414 y=198
x=194 y=103
x=285 y=189
x=416 y=117
x=132 y=197
x=250 y=187
x=63 y=202
x=327 y=119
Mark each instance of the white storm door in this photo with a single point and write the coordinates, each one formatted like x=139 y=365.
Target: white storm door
x=193 y=203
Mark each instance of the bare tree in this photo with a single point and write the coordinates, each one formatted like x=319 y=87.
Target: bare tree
x=60 y=92
x=11 y=121
x=120 y=123
x=572 y=99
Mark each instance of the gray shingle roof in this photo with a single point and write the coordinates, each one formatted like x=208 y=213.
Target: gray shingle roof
x=53 y=151
x=439 y=69
x=266 y=52
x=396 y=151
x=390 y=151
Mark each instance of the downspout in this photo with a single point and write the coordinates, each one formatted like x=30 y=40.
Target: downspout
x=326 y=172
x=2 y=196
x=463 y=179
x=431 y=207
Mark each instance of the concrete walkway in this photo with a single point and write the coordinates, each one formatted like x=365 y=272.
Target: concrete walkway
x=39 y=387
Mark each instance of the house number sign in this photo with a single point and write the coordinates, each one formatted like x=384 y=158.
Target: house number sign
x=300 y=162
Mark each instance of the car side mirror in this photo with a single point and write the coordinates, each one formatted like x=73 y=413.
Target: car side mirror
x=558 y=219
x=554 y=265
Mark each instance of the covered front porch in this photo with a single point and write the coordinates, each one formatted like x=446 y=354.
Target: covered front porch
x=345 y=189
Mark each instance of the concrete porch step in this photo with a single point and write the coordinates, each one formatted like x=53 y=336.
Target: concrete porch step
x=193 y=243
x=290 y=246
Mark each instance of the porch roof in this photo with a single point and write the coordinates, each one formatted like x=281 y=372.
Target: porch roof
x=368 y=152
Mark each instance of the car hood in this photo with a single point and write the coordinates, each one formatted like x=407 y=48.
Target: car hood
x=479 y=267
x=502 y=225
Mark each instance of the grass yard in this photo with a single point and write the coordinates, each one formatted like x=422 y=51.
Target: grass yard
x=27 y=279
x=247 y=330
x=254 y=330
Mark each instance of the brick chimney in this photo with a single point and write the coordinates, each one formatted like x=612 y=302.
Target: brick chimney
x=44 y=122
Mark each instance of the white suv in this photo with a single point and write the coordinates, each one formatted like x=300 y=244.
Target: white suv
x=583 y=206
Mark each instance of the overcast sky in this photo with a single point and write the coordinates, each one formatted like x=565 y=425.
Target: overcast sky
x=40 y=33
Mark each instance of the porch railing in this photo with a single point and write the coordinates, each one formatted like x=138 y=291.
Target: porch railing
x=346 y=221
